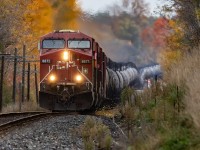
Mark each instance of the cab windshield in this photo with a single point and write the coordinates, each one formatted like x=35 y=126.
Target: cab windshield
x=82 y=44
x=53 y=43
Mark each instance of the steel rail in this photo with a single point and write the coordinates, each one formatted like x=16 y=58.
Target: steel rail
x=15 y=114
x=19 y=122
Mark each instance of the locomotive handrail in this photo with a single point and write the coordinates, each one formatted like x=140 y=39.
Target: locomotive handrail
x=83 y=75
x=47 y=74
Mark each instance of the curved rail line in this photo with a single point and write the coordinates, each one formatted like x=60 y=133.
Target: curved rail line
x=21 y=121
x=13 y=114
x=7 y=117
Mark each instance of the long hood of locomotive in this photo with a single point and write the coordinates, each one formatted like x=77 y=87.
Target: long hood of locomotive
x=65 y=72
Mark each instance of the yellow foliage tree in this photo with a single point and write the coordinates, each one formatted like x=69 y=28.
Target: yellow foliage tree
x=38 y=17
x=67 y=14
x=175 y=45
x=23 y=21
x=175 y=40
x=10 y=22
x=37 y=20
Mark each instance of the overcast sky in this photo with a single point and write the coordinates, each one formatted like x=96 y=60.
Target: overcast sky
x=100 y=5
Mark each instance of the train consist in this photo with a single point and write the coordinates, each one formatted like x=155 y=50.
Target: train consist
x=75 y=73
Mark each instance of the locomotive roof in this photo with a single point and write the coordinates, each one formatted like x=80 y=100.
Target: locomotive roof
x=57 y=33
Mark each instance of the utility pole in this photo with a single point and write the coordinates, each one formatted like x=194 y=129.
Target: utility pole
x=1 y=83
x=14 y=77
x=28 y=83
x=20 y=100
x=36 y=85
x=23 y=72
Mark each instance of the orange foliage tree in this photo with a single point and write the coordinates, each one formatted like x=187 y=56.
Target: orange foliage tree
x=166 y=37
x=154 y=36
x=175 y=45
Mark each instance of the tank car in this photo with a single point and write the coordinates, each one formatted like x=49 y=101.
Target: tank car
x=75 y=73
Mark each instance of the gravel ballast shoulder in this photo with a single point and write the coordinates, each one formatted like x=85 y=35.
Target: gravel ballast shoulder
x=52 y=133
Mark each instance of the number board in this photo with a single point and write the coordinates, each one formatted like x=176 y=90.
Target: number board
x=45 y=61
x=85 y=61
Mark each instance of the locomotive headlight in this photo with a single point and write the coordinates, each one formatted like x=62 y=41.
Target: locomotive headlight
x=78 y=78
x=66 y=55
x=52 y=78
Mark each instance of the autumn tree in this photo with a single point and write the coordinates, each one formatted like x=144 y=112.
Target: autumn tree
x=37 y=25
x=23 y=21
x=184 y=30
x=67 y=14
x=155 y=35
x=187 y=16
x=10 y=22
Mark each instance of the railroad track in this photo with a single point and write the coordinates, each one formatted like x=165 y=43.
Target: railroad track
x=20 y=113
x=28 y=119
x=7 y=117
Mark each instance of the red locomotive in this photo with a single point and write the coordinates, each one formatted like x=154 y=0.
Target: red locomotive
x=75 y=73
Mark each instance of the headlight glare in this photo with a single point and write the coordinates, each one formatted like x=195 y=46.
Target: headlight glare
x=66 y=55
x=52 y=78
x=78 y=78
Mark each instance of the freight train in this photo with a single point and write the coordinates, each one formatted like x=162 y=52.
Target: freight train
x=76 y=74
